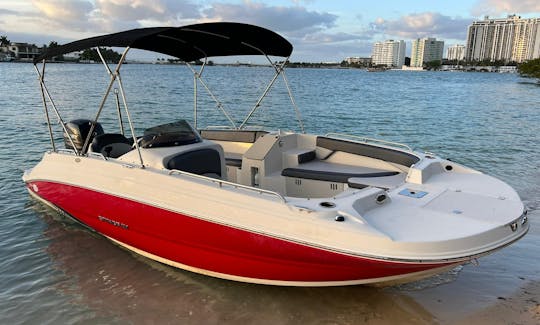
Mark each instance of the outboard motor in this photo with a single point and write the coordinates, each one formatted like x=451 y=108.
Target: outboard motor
x=78 y=130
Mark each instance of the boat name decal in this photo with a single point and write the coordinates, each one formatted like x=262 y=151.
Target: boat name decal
x=113 y=222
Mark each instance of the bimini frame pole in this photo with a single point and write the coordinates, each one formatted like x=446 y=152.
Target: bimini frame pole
x=113 y=76
x=197 y=76
x=48 y=95
x=41 y=77
x=296 y=110
x=195 y=101
x=119 y=112
x=279 y=69
x=135 y=142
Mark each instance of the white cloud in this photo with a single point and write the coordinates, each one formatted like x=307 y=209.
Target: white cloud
x=7 y=12
x=137 y=10
x=64 y=11
x=318 y=38
x=499 y=7
x=423 y=25
x=295 y=19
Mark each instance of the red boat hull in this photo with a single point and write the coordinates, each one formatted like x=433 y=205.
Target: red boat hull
x=217 y=249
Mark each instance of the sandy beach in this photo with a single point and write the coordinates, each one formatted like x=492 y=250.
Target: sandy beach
x=523 y=307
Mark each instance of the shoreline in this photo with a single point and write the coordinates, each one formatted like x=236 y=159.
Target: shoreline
x=481 y=69
x=521 y=307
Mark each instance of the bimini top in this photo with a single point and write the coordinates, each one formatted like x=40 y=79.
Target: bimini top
x=188 y=43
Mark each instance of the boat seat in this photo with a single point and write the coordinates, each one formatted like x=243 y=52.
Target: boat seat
x=330 y=172
x=386 y=154
x=202 y=162
x=112 y=145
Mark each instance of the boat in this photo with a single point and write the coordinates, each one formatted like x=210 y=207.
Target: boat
x=377 y=69
x=258 y=205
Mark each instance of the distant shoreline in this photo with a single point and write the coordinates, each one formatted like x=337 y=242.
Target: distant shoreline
x=492 y=69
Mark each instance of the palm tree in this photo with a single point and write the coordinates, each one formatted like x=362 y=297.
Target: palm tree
x=4 y=41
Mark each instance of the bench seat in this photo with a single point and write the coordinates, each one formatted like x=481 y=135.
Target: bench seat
x=385 y=182
x=367 y=150
x=331 y=172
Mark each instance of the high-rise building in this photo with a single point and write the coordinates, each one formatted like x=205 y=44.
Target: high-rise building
x=455 y=52
x=390 y=53
x=507 y=39
x=426 y=50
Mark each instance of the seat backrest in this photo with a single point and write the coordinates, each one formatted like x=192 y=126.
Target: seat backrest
x=201 y=162
x=111 y=145
x=386 y=154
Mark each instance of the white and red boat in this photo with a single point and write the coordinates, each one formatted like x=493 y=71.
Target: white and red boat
x=270 y=207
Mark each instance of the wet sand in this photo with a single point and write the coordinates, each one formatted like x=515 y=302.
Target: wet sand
x=523 y=307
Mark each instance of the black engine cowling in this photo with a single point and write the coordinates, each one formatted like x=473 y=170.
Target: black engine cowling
x=78 y=130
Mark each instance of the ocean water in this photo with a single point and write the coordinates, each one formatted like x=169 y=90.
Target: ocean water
x=55 y=271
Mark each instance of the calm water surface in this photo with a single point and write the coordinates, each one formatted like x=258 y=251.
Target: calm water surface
x=54 y=271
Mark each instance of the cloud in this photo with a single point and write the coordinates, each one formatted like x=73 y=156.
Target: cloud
x=310 y=31
x=63 y=10
x=498 y=7
x=312 y=52
x=137 y=10
x=318 y=38
x=294 y=20
x=7 y=12
x=109 y=15
x=424 y=24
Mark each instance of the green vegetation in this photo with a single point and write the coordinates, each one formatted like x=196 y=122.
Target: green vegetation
x=310 y=65
x=530 y=69
x=52 y=44
x=4 y=41
x=109 y=55
x=433 y=65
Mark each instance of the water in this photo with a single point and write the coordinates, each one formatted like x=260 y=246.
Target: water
x=54 y=271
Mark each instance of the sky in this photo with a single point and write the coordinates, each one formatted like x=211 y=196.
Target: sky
x=320 y=31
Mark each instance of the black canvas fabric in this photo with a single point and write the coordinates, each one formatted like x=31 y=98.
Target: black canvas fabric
x=188 y=43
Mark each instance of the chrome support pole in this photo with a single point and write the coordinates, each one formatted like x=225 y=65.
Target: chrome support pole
x=119 y=111
x=103 y=61
x=195 y=76
x=296 y=110
x=135 y=142
x=41 y=79
x=218 y=103
x=195 y=101
x=278 y=69
x=48 y=95
x=104 y=99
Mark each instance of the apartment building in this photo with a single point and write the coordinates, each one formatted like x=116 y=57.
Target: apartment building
x=455 y=52
x=390 y=53
x=510 y=39
x=426 y=50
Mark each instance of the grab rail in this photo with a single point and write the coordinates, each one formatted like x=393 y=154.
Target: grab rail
x=66 y=151
x=96 y=155
x=366 y=140
x=222 y=182
x=225 y=127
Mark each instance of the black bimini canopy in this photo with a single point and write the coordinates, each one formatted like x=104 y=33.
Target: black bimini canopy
x=188 y=43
